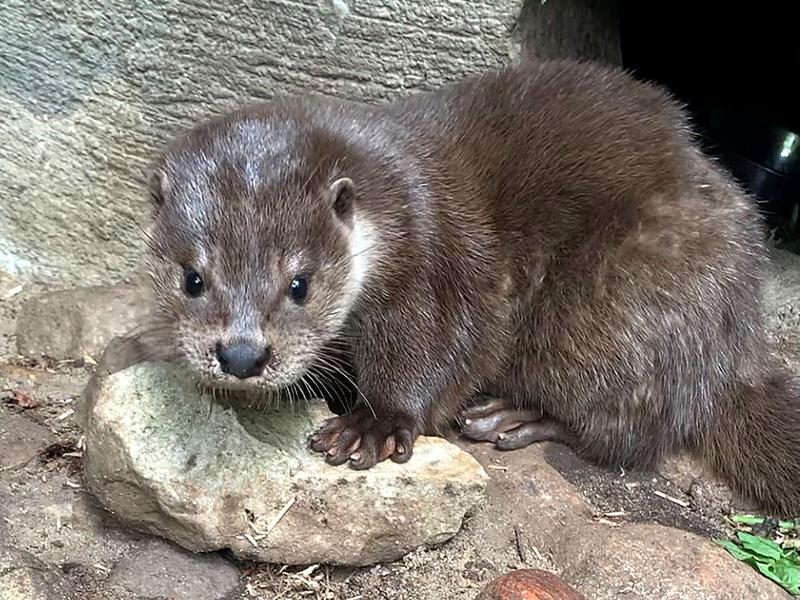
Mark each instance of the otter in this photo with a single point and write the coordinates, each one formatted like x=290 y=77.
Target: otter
x=541 y=252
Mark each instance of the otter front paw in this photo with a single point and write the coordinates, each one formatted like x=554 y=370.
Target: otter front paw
x=364 y=440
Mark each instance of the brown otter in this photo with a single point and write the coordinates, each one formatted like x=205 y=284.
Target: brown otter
x=546 y=238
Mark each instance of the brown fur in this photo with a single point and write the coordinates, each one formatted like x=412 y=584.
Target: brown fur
x=549 y=234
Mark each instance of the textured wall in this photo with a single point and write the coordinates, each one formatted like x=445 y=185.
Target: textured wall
x=89 y=89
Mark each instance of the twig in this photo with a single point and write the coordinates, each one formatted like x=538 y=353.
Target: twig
x=537 y=553
x=308 y=571
x=671 y=499
x=520 y=544
x=281 y=514
x=66 y=414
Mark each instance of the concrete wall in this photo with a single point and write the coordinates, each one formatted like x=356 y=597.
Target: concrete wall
x=88 y=90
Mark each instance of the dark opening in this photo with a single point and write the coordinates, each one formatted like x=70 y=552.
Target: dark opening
x=736 y=66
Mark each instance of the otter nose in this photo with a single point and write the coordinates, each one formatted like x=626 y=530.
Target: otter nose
x=242 y=359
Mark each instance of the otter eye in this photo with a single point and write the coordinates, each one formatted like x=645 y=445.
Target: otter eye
x=193 y=283
x=298 y=289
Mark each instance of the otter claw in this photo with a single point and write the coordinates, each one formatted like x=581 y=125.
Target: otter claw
x=364 y=441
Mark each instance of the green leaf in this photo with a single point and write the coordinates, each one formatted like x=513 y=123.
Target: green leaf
x=734 y=550
x=759 y=545
x=766 y=570
x=789 y=575
x=755 y=520
x=747 y=519
x=768 y=558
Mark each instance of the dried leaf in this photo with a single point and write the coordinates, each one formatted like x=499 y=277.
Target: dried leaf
x=22 y=399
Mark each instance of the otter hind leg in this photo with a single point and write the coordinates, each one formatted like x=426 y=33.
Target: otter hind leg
x=499 y=421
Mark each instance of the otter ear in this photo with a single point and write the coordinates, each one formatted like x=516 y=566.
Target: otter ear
x=343 y=197
x=157 y=187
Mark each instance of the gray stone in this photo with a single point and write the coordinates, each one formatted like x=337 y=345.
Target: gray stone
x=81 y=321
x=12 y=293
x=20 y=439
x=120 y=353
x=642 y=562
x=25 y=577
x=161 y=570
x=9 y=286
x=166 y=459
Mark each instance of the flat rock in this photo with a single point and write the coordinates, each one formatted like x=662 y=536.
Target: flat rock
x=81 y=321
x=20 y=439
x=159 y=569
x=645 y=561
x=55 y=519
x=25 y=577
x=166 y=459
x=120 y=353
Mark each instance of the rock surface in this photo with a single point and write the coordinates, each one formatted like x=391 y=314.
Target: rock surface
x=161 y=570
x=167 y=460
x=549 y=522
x=25 y=577
x=20 y=440
x=77 y=322
x=642 y=562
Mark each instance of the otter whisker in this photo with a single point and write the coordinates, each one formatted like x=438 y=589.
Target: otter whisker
x=314 y=383
x=337 y=386
x=306 y=393
x=338 y=371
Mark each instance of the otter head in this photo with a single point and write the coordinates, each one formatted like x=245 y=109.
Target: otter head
x=258 y=250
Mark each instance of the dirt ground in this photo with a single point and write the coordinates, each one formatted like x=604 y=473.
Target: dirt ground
x=533 y=495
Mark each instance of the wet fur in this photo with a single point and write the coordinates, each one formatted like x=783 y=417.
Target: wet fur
x=549 y=234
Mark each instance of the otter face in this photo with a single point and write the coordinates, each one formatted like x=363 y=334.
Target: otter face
x=255 y=257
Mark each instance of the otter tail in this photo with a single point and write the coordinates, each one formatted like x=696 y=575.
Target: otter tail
x=755 y=442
